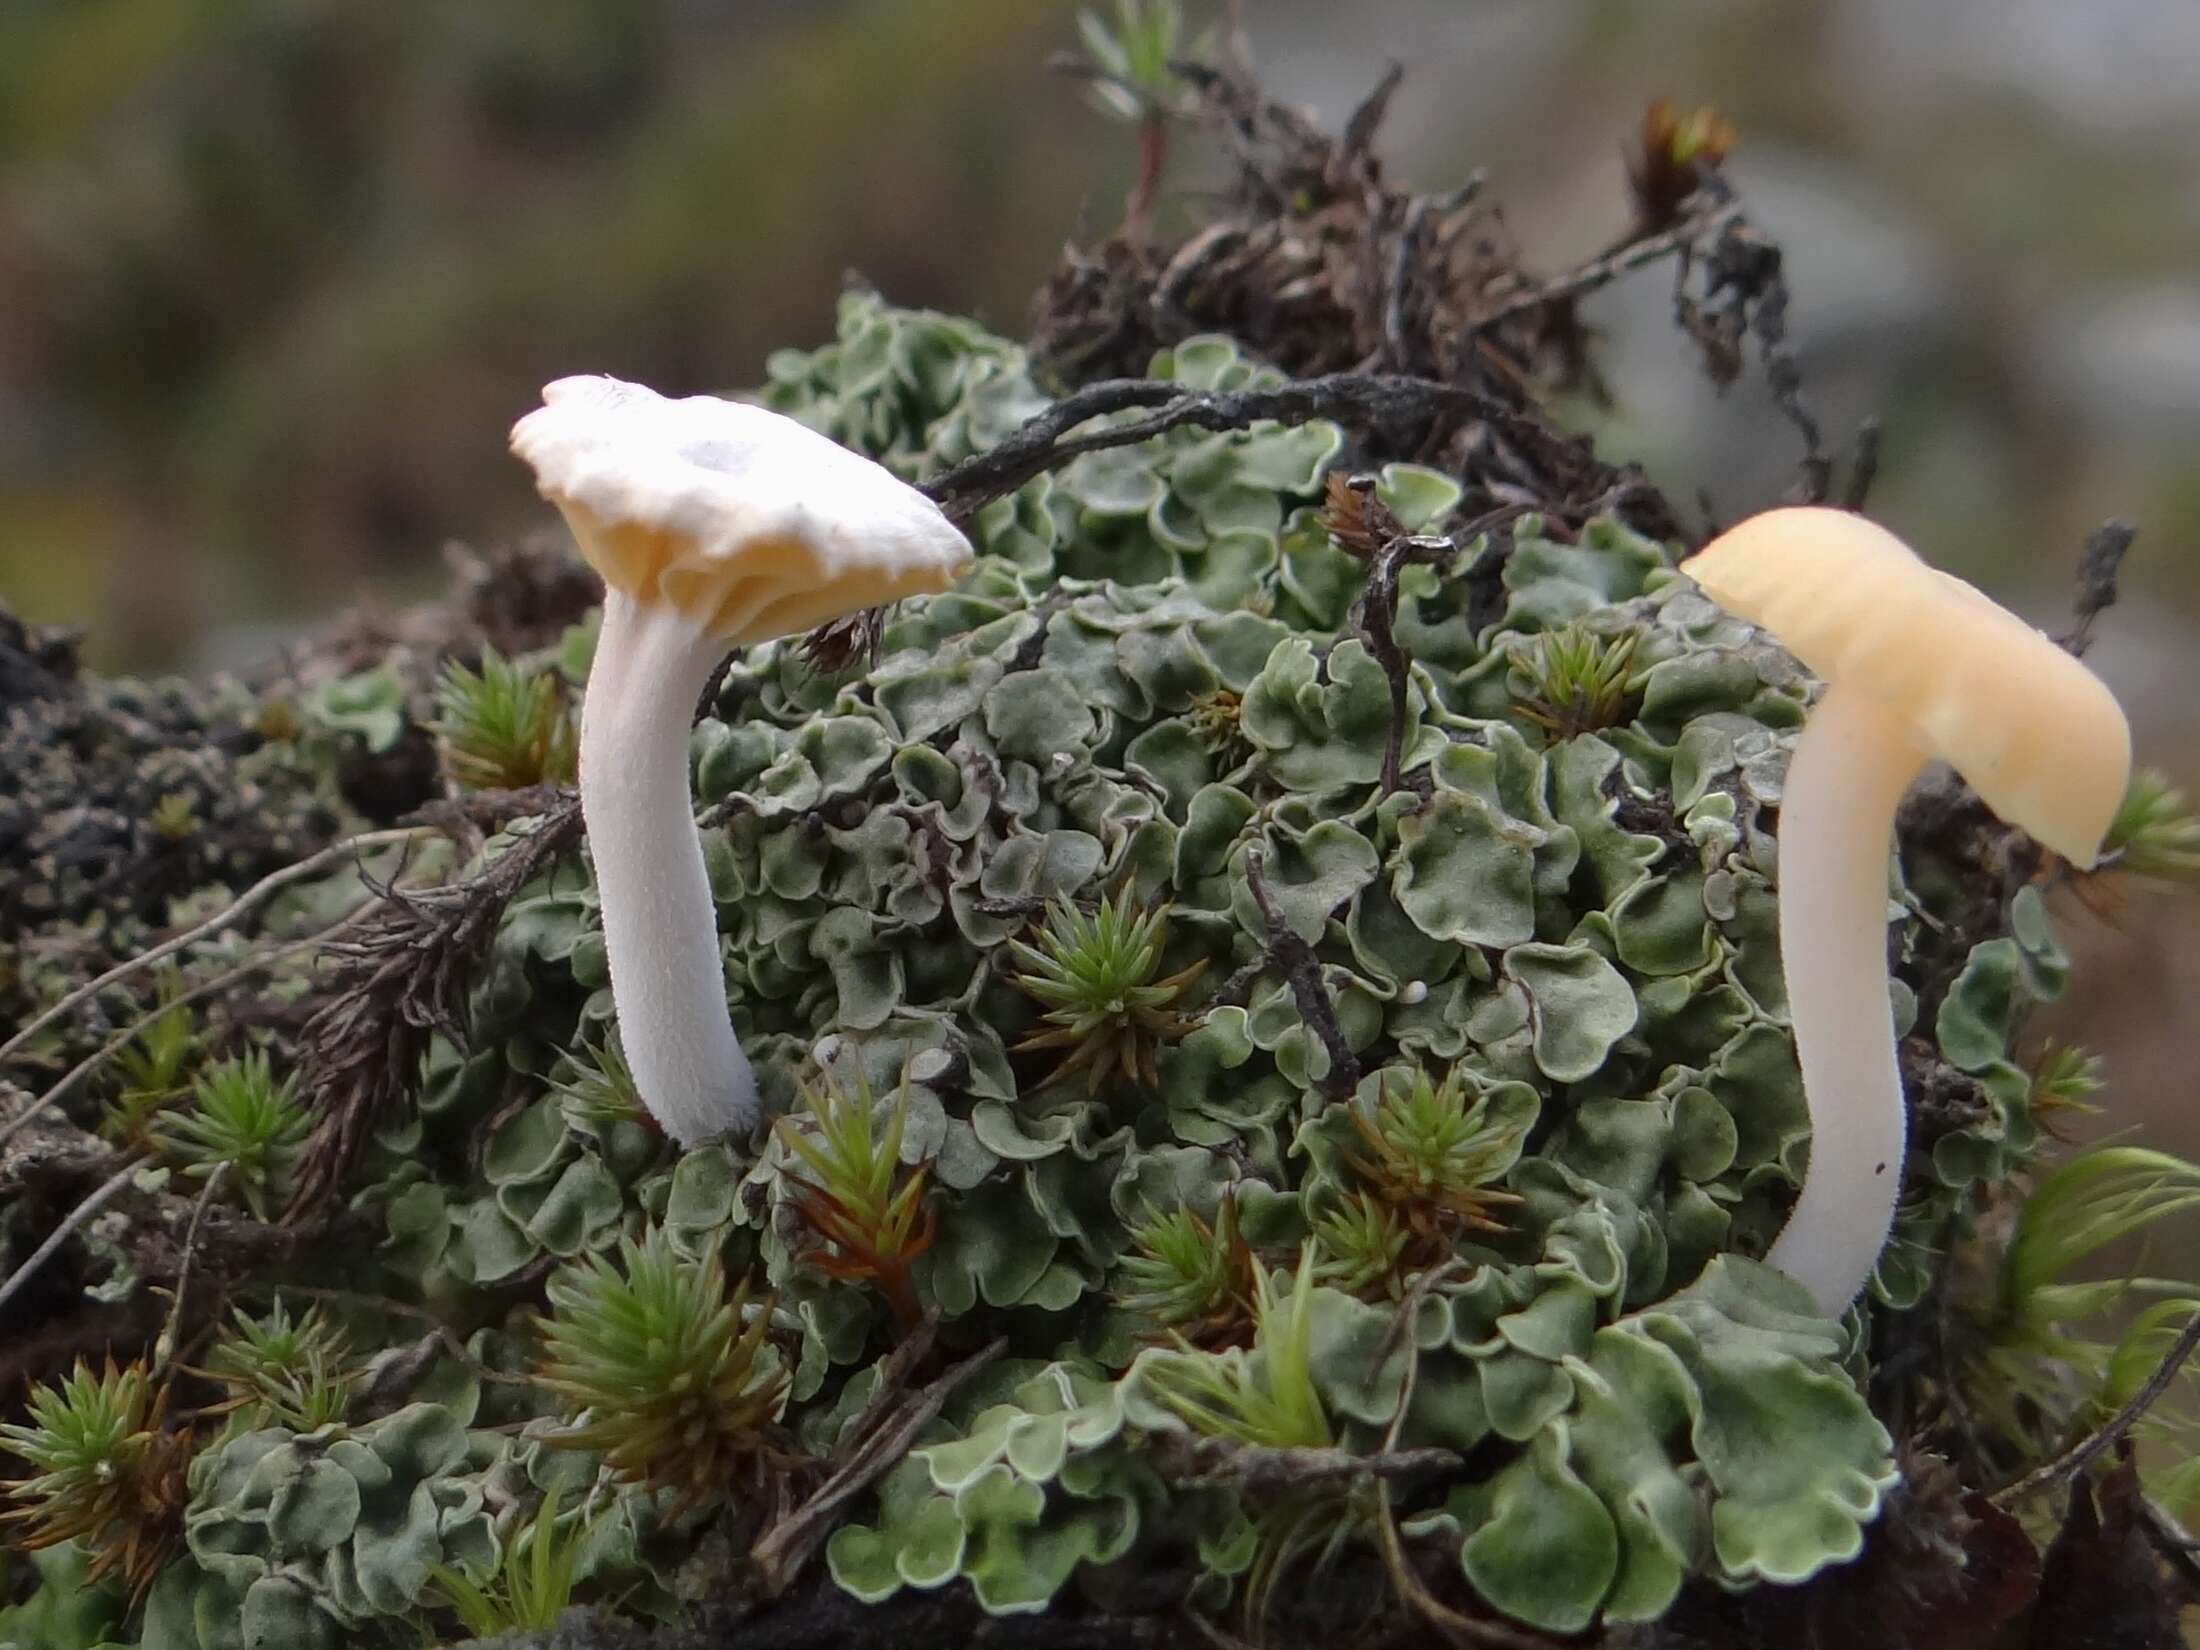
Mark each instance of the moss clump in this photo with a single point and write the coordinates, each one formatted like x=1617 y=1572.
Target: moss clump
x=1549 y=954
x=504 y=725
x=1109 y=1009
x=107 y=1474
x=1492 y=1065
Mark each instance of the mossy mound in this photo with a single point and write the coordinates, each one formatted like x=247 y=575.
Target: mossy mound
x=1466 y=1009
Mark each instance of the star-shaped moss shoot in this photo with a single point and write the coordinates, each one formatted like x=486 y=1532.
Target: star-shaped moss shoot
x=109 y=1475
x=152 y=1070
x=1576 y=682
x=297 y=1371
x=1217 y=721
x=596 y=1088
x=1432 y=1155
x=2155 y=832
x=663 y=1371
x=1363 y=1247
x=244 y=1123
x=2065 y=1080
x=504 y=726
x=1267 y=1398
x=1099 y=976
x=1677 y=148
x=1190 y=1278
x=872 y=1229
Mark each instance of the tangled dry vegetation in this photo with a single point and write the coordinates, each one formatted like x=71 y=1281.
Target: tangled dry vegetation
x=1269 y=1002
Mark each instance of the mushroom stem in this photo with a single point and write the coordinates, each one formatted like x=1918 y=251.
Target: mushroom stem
x=1850 y=768
x=660 y=924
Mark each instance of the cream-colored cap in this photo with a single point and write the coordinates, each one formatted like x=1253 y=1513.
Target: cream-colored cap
x=2035 y=733
x=751 y=524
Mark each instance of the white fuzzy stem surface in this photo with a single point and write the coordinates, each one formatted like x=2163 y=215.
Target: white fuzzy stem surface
x=1850 y=768
x=660 y=926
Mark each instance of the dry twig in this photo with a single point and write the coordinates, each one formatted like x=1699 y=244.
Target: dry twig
x=122 y=1039
x=403 y=978
x=880 y=1437
x=2098 y=566
x=75 y=1218
x=165 y=1347
x=1361 y=401
x=2111 y=1432
x=242 y=906
x=1301 y=969
x=1260 y=1470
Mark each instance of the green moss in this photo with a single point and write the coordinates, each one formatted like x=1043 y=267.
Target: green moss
x=1553 y=1101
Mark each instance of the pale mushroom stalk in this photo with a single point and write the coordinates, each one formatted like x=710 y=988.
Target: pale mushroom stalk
x=1917 y=665
x=659 y=923
x=1850 y=768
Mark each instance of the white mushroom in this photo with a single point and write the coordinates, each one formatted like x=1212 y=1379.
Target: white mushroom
x=714 y=525
x=1917 y=666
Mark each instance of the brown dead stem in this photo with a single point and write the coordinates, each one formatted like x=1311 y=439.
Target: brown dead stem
x=404 y=976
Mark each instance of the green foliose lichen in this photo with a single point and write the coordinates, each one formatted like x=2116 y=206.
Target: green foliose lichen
x=1151 y=683
x=304 y=1538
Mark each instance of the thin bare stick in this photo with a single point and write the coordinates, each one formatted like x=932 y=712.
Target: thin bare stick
x=244 y=904
x=69 y=1223
x=1622 y=260
x=882 y=1436
x=2104 y=556
x=1400 y=1333
x=1863 y=466
x=1261 y=1469
x=2089 y=1449
x=165 y=1347
x=1376 y=618
x=1301 y=969
x=1043 y=442
x=1427 y=1606
x=130 y=1033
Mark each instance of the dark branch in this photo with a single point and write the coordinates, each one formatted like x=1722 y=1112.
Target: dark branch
x=1863 y=466
x=1259 y=1470
x=1302 y=970
x=880 y=1438
x=1361 y=401
x=405 y=976
x=1708 y=219
x=1376 y=615
x=1783 y=371
x=2089 y=1449
x=2097 y=570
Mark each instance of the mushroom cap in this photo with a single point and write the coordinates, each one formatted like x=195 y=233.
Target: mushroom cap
x=749 y=523
x=2036 y=734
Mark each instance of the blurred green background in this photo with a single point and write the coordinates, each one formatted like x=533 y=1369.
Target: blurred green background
x=277 y=275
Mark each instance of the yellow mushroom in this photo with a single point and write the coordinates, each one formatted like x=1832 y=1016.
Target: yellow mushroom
x=1918 y=666
x=714 y=525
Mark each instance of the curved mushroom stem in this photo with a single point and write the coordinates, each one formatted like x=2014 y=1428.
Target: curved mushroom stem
x=660 y=926
x=1850 y=768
